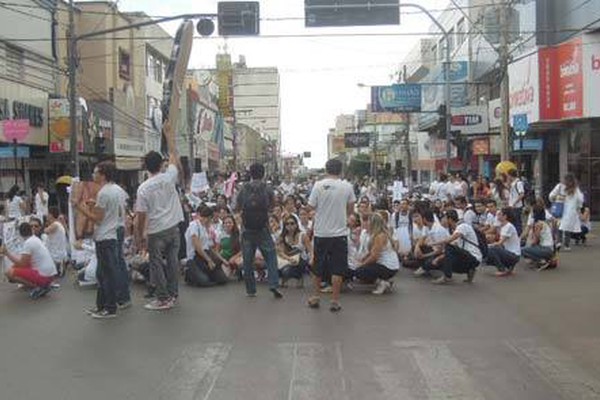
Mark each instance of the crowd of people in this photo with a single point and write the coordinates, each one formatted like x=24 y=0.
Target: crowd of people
x=343 y=235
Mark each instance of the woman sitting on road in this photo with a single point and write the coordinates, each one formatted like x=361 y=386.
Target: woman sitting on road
x=541 y=243
x=230 y=252
x=381 y=262
x=293 y=251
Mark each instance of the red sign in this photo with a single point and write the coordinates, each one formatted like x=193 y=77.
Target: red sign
x=570 y=64
x=16 y=129
x=481 y=147
x=561 y=81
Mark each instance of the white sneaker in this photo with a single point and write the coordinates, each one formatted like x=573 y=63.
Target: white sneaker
x=382 y=287
x=159 y=305
x=420 y=272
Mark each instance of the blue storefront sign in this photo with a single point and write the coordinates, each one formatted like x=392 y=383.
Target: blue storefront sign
x=520 y=123
x=8 y=152
x=528 y=145
x=396 y=98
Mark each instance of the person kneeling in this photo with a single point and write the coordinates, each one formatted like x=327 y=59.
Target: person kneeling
x=381 y=262
x=462 y=254
x=34 y=267
x=541 y=248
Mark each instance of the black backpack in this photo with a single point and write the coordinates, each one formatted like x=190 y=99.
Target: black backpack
x=482 y=243
x=255 y=207
x=529 y=198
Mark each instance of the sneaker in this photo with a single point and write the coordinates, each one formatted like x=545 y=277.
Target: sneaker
x=253 y=294
x=501 y=274
x=159 y=305
x=276 y=293
x=334 y=307
x=103 y=315
x=90 y=311
x=382 y=287
x=544 y=264
x=419 y=272
x=125 y=305
x=326 y=289
x=38 y=292
x=442 y=280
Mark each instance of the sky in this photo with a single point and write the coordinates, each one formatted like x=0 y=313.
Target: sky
x=319 y=75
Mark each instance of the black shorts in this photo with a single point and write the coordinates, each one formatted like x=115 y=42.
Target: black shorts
x=331 y=256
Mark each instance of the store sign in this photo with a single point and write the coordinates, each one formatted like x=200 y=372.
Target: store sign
x=470 y=120
x=524 y=87
x=23 y=111
x=528 y=145
x=495 y=113
x=481 y=147
x=591 y=75
x=9 y=152
x=353 y=140
x=397 y=98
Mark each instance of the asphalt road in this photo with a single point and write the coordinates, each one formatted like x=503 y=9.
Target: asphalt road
x=532 y=336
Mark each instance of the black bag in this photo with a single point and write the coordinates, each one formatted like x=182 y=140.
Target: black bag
x=255 y=207
x=482 y=243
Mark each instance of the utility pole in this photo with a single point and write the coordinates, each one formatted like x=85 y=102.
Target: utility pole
x=191 y=129
x=409 y=181
x=504 y=83
x=73 y=103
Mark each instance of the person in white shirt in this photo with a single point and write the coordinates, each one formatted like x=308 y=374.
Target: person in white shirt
x=15 y=206
x=429 y=249
x=56 y=240
x=40 y=201
x=516 y=196
x=333 y=200
x=287 y=186
x=381 y=262
x=34 y=267
x=570 y=195
x=462 y=252
x=541 y=248
x=506 y=252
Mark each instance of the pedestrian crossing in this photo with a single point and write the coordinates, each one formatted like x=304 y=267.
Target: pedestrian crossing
x=402 y=369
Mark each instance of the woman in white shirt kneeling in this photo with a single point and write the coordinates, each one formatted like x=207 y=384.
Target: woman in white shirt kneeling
x=541 y=248
x=506 y=252
x=381 y=262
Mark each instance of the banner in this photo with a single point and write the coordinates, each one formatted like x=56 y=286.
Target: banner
x=398 y=98
x=199 y=182
x=353 y=140
x=470 y=120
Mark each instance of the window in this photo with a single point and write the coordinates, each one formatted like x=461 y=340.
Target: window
x=15 y=62
x=124 y=65
x=451 y=40
x=155 y=66
x=434 y=52
x=460 y=32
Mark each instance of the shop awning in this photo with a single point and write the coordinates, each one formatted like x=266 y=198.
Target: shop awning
x=128 y=163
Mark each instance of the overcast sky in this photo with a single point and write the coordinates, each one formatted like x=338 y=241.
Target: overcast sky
x=319 y=75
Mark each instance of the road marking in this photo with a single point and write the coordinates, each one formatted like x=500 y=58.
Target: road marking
x=194 y=374
x=558 y=369
x=317 y=372
x=393 y=386
x=340 y=363
x=444 y=375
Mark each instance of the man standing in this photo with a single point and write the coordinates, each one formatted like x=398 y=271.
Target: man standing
x=105 y=214
x=41 y=202
x=159 y=213
x=333 y=200
x=254 y=201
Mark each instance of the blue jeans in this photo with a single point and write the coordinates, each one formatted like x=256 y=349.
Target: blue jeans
x=538 y=253
x=123 y=295
x=251 y=240
x=502 y=258
x=164 y=262
x=107 y=275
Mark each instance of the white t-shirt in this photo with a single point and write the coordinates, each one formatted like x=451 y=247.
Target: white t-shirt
x=158 y=198
x=442 y=191
x=41 y=204
x=56 y=242
x=436 y=234
x=207 y=237
x=123 y=204
x=469 y=217
x=516 y=189
x=513 y=241
x=468 y=241
x=109 y=200
x=41 y=260
x=13 y=207
x=330 y=198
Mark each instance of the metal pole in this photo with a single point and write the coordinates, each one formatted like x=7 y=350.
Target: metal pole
x=190 y=120
x=447 y=100
x=73 y=90
x=504 y=84
x=409 y=180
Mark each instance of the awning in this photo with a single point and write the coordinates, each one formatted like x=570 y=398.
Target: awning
x=128 y=163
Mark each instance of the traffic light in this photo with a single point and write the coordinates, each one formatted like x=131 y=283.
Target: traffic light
x=440 y=127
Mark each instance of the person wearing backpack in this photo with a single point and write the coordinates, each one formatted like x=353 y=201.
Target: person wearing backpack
x=254 y=201
x=462 y=250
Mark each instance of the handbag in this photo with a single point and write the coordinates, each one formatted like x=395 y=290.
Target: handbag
x=557 y=208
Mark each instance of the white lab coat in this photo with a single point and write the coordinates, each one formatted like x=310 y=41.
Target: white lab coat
x=570 y=221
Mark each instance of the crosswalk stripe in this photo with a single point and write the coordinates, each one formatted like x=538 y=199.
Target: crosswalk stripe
x=317 y=372
x=445 y=377
x=558 y=369
x=194 y=374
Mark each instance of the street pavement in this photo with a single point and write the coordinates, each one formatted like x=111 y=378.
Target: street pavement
x=535 y=335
